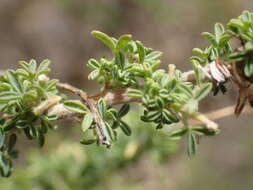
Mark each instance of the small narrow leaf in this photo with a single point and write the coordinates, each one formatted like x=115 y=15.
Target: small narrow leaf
x=94 y=75
x=120 y=60
x=219 y=30
x=185 y=89
x=88 y=141
x=44 y=66
x=141 y=51
x=87 y=121
x=197 y=71
x=153 y=55
x=32 y=66
x=41 y=138
x=75 y=106
x=204 y=131
x=8 y=96
x=125 y=128
x=14 y=81
x=210 y=38
x=248 y=69
x=235 y=23
x=124 y=110
x=93 y=64
x=198 y=52
x=109 y=132
x=107 y=40
x=191 y=144
x=203 y=91
x=133 y=93
x=177 y=134
x=102 y=107
x=2 y=137
x=5 y=166
x=224 y=39
x=123 y=41
x=4 y=86
x=169 y=116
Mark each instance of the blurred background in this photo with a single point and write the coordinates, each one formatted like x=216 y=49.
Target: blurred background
x=60 y=30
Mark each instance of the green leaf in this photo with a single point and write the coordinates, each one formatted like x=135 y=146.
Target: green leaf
x=123 y=41
x=203 y=91
x=51 y=84
x=159 y=126
x=21 y=124
x=24 y=65
x=5 y=166
x=41 y=138
x=246 y=37
x=236 y=56
x=4 y=86
x=134 y=93
x=198 y=52
x=164 y=93
x=87 y=121
x=185 y=89
x=120 y=60
x=178 y=133
x=32 y=66
x=44 y=67
x=8 y=96
x=169 y=116
x=33 y=132
x=210 y=38
x=160 y=102
x=2 y=137
x=112 y=113
x=51 y=117
x=204 y=131
x=153 y=55
x=88 y=141
x=107 y=40
x=224 y=39
x=93 y=64
x=102 y=107
x=75 y=106
x=13 y=79
x=151 y=116
x=125 y=128
x=236 y=23
x=247 y=16
x=94 y=75
x=124 y=110
x=248 y=69
x=191 y=144
x=27 y=133
x=30 y=96
x=249 y=46
x=110 y=133
x=141 y=51
x=219 y=30
x=197 y=71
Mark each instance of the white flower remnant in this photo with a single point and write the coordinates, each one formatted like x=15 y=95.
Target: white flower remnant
x=219 y=72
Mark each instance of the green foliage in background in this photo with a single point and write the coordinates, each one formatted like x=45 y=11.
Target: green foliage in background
x=72 y=166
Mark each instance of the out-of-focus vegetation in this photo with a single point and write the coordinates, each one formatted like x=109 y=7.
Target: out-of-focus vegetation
x=72 y=166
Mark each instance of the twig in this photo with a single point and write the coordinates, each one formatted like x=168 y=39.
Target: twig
x=91 y=103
